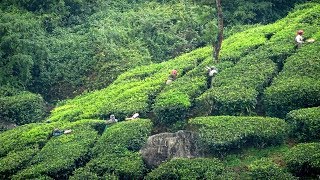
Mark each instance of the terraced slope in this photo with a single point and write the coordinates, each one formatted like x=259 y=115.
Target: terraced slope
x=260 y=73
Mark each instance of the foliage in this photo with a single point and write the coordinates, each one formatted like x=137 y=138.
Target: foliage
x=223 y=133
x=253 y=11
x=132 y=92
x=303 y=160
x=305 y=123
x=25 y=136
x=180 y=168
x=23 y=108
x=116 y=150
x=235 y=90
x=266 y=169
x=297 y=85
x=15 y=160
x=61 y=154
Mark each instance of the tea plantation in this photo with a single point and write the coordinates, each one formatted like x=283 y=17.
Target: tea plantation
x=258 y=118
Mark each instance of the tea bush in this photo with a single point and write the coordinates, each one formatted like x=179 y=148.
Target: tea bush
x=266 y=169
x=297 y=86
x=305 y=123
x=174 y=102
x=180 y=168
x=116 y=150
x=224 y=133
x=132 y=92
x=25 y=136
x=235 y=90
x=16 y=160
x=22 y=108
x=303 y=160
x=62 y=154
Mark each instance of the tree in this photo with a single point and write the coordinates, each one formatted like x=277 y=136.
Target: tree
x=217 y=43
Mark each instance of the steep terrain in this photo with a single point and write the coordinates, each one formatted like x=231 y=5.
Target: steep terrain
x=258 y=118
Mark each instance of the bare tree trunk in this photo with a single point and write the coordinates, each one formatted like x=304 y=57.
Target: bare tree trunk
x=218 y=42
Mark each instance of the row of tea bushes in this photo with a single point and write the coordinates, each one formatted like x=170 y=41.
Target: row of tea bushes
x=174 y=102
x=116 y=152
x=22 y=137
x=303 y=160
x=305 y=123
x=15 y=160
x=297 y=86
x=22 y=108
x=62 y=154
x=265 y=168
x=224 y=133
x=235 y=90
x=181 y=168
x=132 y=92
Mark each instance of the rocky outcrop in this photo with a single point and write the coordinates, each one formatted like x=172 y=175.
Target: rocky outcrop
x=165 y=146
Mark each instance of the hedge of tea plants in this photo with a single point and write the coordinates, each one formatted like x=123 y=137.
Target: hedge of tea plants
x=303 y=160
x=174 y=102
x=224 y=133
x=30 y=151
x=62 y=154
x=131 y=92
x=180 y=168
x=235 y=90
x=305 y=123
x=116 y=152
x=297 y=86
x=265 y=168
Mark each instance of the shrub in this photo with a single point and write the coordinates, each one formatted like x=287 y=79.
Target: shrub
x=23 y=137
x=115 y=152
x=303 y=160
x=223 y=133
x=16 y=160
x=174 y=102
x=124 y=164
x=62 y=154
x=83 y=173
x=305 y=123
x=297 y=86
x=129 y=135
x=290 y=94
x=23 y=108
x=180 y=168
x=132 y=92
x=266 y=169
x=235 y=90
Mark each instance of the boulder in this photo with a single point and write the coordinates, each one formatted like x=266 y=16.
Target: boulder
x=162 y=147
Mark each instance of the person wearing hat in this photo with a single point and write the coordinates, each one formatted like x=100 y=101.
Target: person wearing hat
x=172 y=76
x=299 y=38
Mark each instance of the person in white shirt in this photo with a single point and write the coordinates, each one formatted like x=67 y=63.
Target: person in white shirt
x=134 y=116
x=299 y=39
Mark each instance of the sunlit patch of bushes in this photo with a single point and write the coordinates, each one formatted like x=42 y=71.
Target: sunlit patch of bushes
x=62 y=154
x=134 y=91
x=266 y=169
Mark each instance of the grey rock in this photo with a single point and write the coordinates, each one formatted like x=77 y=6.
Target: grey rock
x=162 y=147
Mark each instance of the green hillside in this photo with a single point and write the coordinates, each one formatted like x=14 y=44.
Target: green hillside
x=259 y=118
